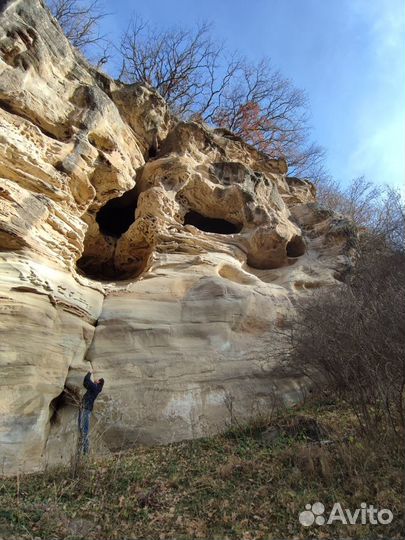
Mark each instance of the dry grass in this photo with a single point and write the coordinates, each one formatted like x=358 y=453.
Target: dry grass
x=230 y=486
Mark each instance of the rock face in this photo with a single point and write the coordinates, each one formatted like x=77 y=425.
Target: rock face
x=164 y=254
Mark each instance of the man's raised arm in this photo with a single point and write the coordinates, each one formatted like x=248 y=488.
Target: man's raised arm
x=88 y=383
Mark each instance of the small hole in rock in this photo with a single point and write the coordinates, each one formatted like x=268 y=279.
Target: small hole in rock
x=212 y=225
x=118 y=214
x=296 y=247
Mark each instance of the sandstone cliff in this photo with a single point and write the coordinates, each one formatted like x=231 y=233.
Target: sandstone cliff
x=164 y=253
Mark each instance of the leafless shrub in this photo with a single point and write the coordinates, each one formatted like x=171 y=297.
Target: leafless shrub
x=358 y=200
x=351 y=341
x=378 y=211
x=389 y=221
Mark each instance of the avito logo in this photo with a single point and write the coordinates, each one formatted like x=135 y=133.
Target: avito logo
x=315 y=513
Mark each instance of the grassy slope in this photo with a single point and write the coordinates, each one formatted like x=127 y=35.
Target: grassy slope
x=229 y=486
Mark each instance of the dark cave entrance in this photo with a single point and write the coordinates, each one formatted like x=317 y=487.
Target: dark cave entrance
x=101 y=260
x=296 y=247
x=118 y=214
x=211 y=225
x=67 y=398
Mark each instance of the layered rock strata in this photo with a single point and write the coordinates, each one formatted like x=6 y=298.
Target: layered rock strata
x=165 y=255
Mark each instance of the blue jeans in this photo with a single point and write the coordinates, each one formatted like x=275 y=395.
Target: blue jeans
x=84 y=427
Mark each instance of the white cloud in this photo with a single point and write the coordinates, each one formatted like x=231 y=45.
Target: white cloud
x=380 y=156
x=380 y=118
x=385 y=20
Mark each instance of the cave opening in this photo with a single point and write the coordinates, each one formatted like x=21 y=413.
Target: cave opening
x=295 y=247
x=211 y=225
x=68 y=397
x=118 y=214
x=107 y=256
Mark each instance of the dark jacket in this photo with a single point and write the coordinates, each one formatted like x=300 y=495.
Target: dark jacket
x=93 y=390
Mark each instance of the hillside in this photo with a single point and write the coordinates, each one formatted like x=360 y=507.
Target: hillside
x=240 y=484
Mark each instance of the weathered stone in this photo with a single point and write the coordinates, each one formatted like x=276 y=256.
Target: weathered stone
x=163 y=254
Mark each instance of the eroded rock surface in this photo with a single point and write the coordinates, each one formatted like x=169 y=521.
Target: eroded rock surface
x=162 y=253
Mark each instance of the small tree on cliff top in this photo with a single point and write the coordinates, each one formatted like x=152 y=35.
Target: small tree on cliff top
x=269 y=112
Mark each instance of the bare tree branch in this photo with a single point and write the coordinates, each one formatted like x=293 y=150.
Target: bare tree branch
x=180 y=64
x=351 y=342
x=80 y=20
x=270 y=113
x=199 y=81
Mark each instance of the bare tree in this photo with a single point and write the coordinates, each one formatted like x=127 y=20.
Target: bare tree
x=389 y=222
x=360 y=200
x=80 y=21
x=269 y=112
x=377 y=210
x=182 y=65
x=199 y=81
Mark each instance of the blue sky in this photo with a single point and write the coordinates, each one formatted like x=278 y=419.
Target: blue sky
x=349 y=55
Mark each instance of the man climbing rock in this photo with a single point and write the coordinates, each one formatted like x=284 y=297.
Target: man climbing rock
x=93 y=390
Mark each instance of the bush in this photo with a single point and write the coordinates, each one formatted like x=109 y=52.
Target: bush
x=351 y=341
